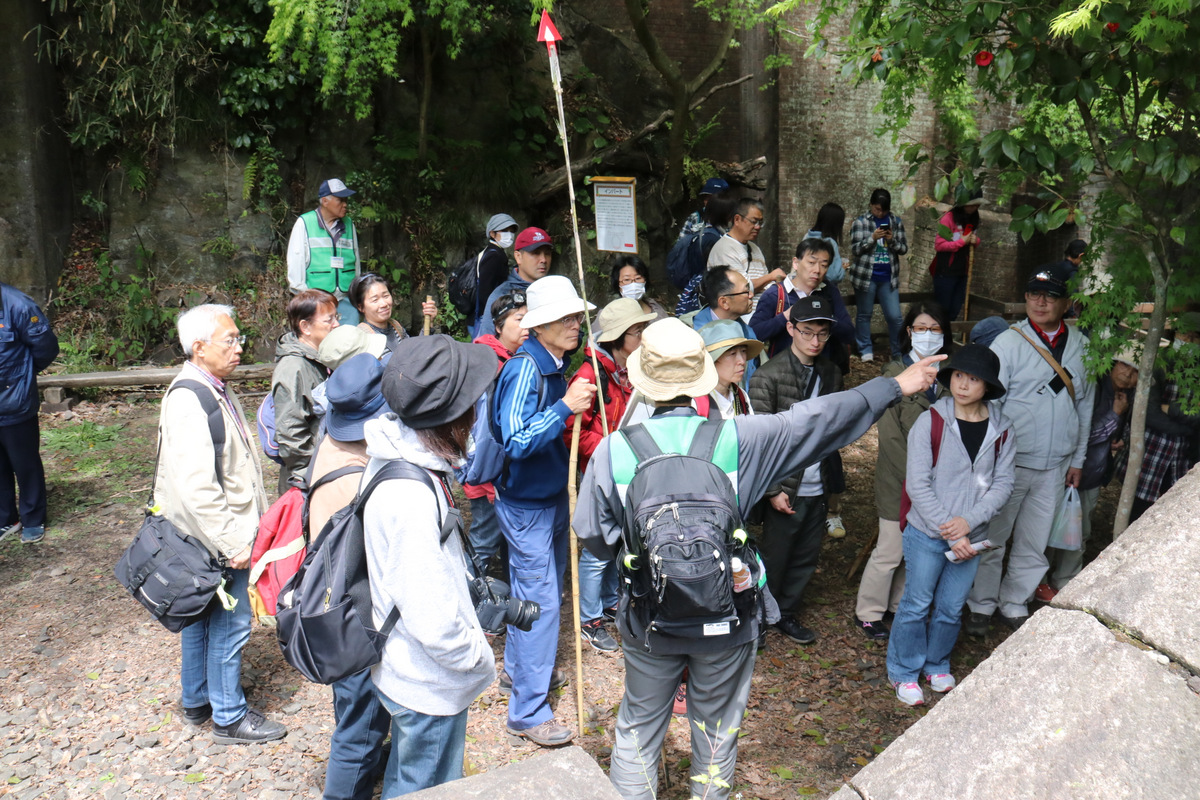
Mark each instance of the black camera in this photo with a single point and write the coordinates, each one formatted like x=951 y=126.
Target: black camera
x=496 y=608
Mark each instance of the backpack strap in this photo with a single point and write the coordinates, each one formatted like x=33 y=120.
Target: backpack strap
x=641 y=442
x=704 y=440
x=329 y=477
x=494 y=409
x=937 y=426
x=216 y=429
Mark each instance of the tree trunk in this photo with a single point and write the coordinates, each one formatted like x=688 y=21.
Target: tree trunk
x=681 y=123
x=426 y=37
x=1141 y=397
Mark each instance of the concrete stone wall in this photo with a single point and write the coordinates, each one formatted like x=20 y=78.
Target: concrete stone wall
x=35 y=206
x=1097 y=695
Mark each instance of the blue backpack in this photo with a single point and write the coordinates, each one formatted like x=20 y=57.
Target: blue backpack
x=689 y=256
x=266 y=428
x=489 y=462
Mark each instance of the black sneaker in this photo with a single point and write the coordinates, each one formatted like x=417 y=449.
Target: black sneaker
x=558 y=679
x=253 y=727
x=873 y=629
x=1014 y=622
x=792 y=629
x=595 y=634
x=198 y=715
x=610 y=613
x=977 y=624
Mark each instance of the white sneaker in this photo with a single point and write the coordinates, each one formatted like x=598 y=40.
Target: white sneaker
x=909 y=693
x=867 y=357
x=835 y=527
x=941 y=683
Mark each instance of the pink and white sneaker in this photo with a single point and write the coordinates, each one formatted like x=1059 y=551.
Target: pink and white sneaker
x=909 y=693
x=941 y=683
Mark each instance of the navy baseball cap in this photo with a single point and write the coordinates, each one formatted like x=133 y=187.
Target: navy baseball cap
x=334 y=187
x=714 y=186
x=355 y=395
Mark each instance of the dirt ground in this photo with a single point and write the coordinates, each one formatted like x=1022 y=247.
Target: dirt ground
x=89 y=695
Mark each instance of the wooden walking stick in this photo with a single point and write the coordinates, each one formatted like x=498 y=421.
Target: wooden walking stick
x=572 y=496
x=428 y=320
x=970 y=271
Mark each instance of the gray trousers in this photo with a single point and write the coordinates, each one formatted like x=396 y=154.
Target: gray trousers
x=718 y=688
x=1026 y=517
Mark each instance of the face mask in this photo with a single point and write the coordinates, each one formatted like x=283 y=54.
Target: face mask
x=633 y=291
x=927 y=343
x=506 y=240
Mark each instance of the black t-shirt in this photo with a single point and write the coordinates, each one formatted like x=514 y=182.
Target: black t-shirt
x=972 y=436
x=493 y=270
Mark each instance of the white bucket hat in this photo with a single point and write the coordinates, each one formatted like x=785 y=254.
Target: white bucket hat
x=671 y=362
x=551 y=298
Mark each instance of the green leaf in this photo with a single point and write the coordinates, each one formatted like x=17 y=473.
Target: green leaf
x=1004 y=64
x=599 y=142
x=784 y=773
x=14 y=780
x=93 y=676
x=993 y=11
x=1010 y=148
x=808 y=790
x=1179 y=236
x=193 y=777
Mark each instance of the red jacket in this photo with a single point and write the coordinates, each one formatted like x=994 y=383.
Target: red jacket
x=487 y=490
x=617 y=389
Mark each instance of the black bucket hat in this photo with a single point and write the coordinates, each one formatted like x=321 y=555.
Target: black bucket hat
x=432 y=380
x=977 y=360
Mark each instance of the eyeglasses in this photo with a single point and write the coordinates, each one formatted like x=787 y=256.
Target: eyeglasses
x=820 y=336
x=230 y=342
x=573 y=321
x=926 y=329
x=1044 y=297
x=757 y=223
x=634 y=279
x=736 y=294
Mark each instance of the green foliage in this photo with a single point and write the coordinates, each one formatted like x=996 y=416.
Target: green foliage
x=137 y=74
x=352 y=45
x=81 y=437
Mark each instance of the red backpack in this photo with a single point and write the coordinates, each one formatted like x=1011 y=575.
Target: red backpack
x=281 y=544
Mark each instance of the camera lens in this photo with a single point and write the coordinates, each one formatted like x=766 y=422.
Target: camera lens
x=521 y=614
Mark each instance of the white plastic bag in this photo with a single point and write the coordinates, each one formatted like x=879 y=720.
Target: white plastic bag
x=1067 y=531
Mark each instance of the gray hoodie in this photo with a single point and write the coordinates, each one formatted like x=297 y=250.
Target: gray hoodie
x=958 y=487
x=436 y=660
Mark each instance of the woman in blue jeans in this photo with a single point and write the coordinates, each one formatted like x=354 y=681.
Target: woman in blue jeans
x=960 y=473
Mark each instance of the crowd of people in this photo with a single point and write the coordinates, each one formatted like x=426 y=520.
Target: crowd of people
x=977 y=444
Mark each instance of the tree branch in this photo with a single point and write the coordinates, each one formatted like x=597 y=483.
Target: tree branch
x=717 y=61
x=550 y=183
x=665 y=65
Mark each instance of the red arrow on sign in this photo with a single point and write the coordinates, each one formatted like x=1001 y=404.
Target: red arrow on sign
x=546 y=30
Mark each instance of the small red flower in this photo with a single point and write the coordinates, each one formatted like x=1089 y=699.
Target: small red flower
x=877 y=56
x=983 y=58
x=1112 y=27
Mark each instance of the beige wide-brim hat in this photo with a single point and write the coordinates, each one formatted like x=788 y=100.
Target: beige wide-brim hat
x=671 y=362
x=346 y=341
x=619 y=316
x=552 y=298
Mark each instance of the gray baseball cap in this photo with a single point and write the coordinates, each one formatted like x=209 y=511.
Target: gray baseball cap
x=499 y=222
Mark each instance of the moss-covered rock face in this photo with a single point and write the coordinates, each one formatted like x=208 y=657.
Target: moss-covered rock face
x=35 y=204
x=191 y=225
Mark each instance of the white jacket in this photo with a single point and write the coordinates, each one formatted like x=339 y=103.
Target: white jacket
x=186 y=488
x=1050 y=426
x=436 y=660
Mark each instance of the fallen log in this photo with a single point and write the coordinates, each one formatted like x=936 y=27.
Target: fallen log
x=142 y=376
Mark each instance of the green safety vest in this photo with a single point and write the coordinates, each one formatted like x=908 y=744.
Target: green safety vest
x=321 y=251
x=673 y=434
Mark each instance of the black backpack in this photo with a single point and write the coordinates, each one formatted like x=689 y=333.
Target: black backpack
x=493 y=451
x=462 y=286
x=682 y=527
x=324 y=616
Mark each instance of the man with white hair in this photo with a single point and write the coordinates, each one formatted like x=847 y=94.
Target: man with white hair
x=208 y=483
x=323 y=249
x=532 y=404
x=754 y=452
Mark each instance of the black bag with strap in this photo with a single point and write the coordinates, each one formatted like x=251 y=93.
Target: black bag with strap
x=174 y=575
x=325 y=619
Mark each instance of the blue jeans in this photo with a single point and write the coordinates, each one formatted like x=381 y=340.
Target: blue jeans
x=950 y=292
x=864 y=303
x=930 y=612
x=347 y=313
x=537 y=556
x=426 y=750
x=211 y=669
x=597 y=586
x=485 y=532
x=357 y=742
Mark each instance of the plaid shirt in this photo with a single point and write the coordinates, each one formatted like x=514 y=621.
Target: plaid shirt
x=862 y=248
x=1166 y=459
